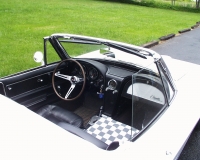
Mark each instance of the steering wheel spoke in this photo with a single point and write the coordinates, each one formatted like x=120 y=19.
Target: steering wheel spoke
x=70 y=90
x=80 y=79
x=57 y=74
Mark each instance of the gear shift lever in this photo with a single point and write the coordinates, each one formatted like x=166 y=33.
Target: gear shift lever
x=96 y=117
x=100 y=111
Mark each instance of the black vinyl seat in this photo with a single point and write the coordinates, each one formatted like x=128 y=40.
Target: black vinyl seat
x=88 y=137
x=72 y=123
x=57 y=114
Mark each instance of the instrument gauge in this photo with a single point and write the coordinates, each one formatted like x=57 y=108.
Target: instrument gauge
x=80 y=71
x=112 y=84
x=93 y=73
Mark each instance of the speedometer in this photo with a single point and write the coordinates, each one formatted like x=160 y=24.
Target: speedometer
x=93 y=73
x=80 y=71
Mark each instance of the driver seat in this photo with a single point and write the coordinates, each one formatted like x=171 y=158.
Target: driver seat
x=57 y=114
x=72 y=123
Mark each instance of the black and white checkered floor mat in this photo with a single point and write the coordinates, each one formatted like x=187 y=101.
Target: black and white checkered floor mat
x=108 y=130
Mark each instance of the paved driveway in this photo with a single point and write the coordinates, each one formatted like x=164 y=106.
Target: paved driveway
x=185 y=47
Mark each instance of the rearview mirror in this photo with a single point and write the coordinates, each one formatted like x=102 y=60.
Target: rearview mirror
x=38 y=57
x=104 y=50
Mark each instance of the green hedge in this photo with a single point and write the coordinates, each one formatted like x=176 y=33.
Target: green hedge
x=161 y=4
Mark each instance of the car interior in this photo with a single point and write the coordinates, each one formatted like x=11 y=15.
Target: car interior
x=91 y=98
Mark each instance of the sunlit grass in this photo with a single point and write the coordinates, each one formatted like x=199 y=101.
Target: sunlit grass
x=25 y=23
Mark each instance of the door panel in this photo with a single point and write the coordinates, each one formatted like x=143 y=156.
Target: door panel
x=31 y=88
x=26 y=85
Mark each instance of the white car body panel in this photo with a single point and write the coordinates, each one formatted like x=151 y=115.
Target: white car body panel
x=122 y=56
x=26 y=135
x=167 y=135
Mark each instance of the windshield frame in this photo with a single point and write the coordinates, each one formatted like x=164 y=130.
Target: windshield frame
x=162 y=67
x=136 y=51
x=139 y=51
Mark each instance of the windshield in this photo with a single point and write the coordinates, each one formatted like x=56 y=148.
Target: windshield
x=102 y=51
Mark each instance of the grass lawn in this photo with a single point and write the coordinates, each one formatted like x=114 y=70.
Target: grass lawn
x=23 y=24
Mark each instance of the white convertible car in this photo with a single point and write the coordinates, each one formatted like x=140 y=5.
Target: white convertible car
x=94 y=98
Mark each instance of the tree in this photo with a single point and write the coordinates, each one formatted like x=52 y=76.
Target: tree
x=173 y=2
x=197 y=3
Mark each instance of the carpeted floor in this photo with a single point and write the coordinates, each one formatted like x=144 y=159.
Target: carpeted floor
x=90 y=107
x=86 y=113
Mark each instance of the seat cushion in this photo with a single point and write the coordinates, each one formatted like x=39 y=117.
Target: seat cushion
x=83 y=134
x=88 y=137
x=57 y=114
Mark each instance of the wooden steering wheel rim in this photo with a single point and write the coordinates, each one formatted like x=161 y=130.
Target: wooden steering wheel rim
x=84 y=80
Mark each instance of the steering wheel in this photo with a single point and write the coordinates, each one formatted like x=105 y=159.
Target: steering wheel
x=74 y=80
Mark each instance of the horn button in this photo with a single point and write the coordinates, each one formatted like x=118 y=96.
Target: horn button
x=74 y=79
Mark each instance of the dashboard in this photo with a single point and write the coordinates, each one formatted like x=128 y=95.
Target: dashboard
x=115 y=80
x=94 y=73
